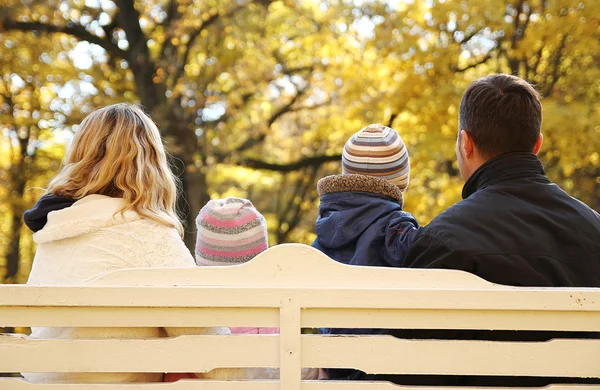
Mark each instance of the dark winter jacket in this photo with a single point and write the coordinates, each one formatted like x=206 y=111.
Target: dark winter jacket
x=361 y=221
x=37 y=217
x=513 y=227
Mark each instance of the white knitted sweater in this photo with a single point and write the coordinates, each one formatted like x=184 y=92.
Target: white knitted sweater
x=87 y=240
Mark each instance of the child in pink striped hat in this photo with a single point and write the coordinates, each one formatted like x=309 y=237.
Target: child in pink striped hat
x=231 y=231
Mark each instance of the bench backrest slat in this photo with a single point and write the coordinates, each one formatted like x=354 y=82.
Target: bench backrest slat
x=382 y=354
x=256 y=385
x=51 y=316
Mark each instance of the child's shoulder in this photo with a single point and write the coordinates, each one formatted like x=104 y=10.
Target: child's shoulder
x=403 y=217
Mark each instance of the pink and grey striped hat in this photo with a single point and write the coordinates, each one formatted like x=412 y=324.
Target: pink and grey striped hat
x=377 y=151
x=230 y=231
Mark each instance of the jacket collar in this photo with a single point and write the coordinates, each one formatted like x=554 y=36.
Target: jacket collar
x=507 y=167
x=37 y=217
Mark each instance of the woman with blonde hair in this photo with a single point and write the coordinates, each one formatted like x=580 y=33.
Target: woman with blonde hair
x=111 y=206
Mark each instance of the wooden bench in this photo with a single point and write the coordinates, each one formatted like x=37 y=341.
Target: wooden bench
x=293 y=287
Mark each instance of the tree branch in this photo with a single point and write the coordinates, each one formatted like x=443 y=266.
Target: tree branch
x=392 y=119
x=71 y=28
x=532 y=71
x=471 y=36
x=253 y=141
x=193 y=36
x=286 y=107
x=173 y=15
x=314 y=161
x=517 y=25
x=485 y=59
x=292 y=216
x=556 y=64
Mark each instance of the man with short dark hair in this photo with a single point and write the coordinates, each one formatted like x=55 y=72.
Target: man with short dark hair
x=513 y=226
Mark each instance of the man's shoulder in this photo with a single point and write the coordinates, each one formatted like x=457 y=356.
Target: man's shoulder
x=453 y=219
x=467 y=225
x=582 y=208
x=502 y=223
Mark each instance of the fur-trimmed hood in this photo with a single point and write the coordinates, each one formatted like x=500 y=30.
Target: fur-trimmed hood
x=359 y=209
x=87 y=215
x=360 y=183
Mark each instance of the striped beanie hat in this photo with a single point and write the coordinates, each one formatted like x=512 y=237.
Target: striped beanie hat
x=230 y=231
x=377 y=151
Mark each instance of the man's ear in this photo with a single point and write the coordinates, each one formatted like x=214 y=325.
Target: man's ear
x=467 y=145
x=538 y=144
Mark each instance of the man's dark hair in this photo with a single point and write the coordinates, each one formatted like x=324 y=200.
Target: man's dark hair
x=502 y=113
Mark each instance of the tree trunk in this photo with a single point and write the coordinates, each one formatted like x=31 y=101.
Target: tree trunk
x=14 y=246
x=151 y=94
x=183 y=144
x=596 y=205
x=14 y=241
x=195 y=194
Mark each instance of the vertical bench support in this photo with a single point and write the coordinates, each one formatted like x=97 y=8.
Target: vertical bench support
x=289 y=347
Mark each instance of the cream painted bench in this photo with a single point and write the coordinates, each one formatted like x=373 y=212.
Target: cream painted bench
x=293 y=287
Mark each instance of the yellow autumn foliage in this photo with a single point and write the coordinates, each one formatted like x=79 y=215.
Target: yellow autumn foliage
x=256 y=98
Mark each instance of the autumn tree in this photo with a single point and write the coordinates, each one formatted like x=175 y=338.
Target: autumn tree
x=422 y=56
x=29 y=107
x=199 y=67
x=256 y=98
x=42 y=95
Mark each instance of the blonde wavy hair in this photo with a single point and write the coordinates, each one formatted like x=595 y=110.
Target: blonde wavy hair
x=118 y=152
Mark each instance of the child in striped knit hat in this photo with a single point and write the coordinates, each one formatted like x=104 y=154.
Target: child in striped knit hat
x=361 y=221
x=231 y=231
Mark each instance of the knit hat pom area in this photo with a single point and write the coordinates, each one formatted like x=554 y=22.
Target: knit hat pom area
x=377 y=151
x=229 y=231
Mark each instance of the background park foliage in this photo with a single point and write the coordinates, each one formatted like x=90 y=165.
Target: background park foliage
x=255 y=98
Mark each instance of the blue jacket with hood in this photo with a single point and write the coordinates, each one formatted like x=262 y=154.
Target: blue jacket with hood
x=361 y=222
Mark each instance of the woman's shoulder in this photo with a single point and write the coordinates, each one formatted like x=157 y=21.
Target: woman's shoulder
x=127 y=240
x=99 y=215
x=155 y=244
x=85 y=216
